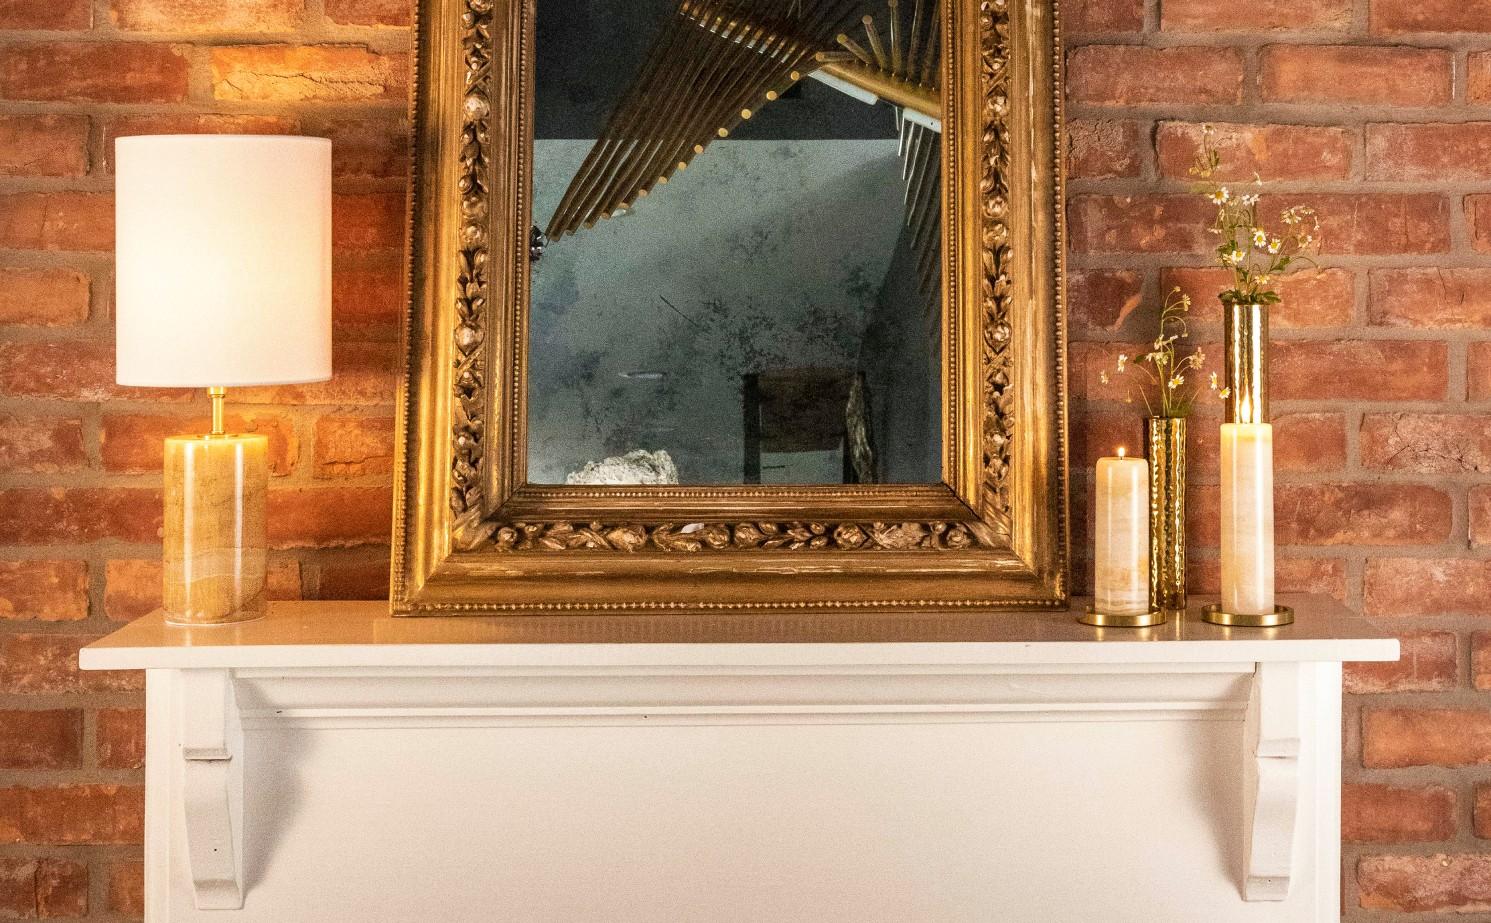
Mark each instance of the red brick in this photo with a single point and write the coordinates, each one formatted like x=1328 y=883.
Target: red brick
x=1427 y=586
x=1478 y=371
x=1480 y=660
x=1478 y=214
x=206 y=15
x=41 y=445
x=1436 y=152
x=1088 y=360
x=354 y=580
x=1370 y=370
x=1479 y=81
x=1084 y=16
x=1140 y=224
x=1480 y=516
x=1383 y=223
x=1388 y=17
x=1292 y=574
x=1427 y=443
x=126 y=891
x=366 y=148
x=43 y=145
x=43 y=888
x=68 y=814
x=1311 y=298
x=121 y=738
x=1482 y=815
x=190 y=123
x=1275 y=152
x=78 y=515
x=46 y=739
x=368 y=221
x=42 y=664
x=1415 y=884
x=43 y=297
x=1102 y=299
x=307 y=73
x=1304 y=442
x=367 y=291
x=1449 y=297
x=1429 y=663
x=1393 y=738
x=44 y=591
x=70 y=370
x=56 y=220
x=329 y=517
x=362 y=373
x=1260 y=16
x=1133 y=75
x=50 y=15
x=134 y=443
x=1103 y=149
x=388 y=12
x=353 y=446
x=1361 y=514
x=1357 y=75
x=1372 y=813
x=104 y=72
x=132 y=587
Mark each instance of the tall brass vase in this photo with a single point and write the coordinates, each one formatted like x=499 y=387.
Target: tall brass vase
x=1166 y=441
x=1245 y=342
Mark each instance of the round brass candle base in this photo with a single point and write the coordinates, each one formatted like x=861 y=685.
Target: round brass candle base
x=1282 y=615
x=1122 y=619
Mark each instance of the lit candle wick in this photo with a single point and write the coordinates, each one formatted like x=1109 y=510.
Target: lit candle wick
x=1121 y=451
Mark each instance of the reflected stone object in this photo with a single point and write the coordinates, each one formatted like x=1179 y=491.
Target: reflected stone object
x=638 y=466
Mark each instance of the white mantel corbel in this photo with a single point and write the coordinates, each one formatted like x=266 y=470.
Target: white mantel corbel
x=211 y=767
x=388 y=770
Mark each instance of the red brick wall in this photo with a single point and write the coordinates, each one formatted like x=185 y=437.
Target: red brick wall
x=1382 y=373
x=80 y=457
x=1378 y=112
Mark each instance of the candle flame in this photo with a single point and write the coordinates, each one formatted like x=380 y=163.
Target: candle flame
x=1121 y=451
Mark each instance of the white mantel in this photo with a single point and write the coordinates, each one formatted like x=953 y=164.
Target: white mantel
x=330 y=763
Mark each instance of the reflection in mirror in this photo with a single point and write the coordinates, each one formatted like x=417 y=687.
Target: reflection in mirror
x=736 y=270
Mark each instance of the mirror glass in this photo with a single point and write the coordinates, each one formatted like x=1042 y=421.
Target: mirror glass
x=737 y=244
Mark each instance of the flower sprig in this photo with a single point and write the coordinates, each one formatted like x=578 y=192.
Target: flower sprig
x=1170 y=381
x=1255 y=256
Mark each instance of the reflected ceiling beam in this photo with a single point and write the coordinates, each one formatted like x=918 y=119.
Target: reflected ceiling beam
x=716 y=61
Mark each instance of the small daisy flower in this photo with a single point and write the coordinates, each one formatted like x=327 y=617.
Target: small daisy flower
x=1260 y=238
x=1222 y=196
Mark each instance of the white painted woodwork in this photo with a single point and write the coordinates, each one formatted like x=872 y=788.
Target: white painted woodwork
x=332 y=764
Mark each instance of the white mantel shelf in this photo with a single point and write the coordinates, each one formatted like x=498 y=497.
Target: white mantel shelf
x=362 y=634
x=331 y=763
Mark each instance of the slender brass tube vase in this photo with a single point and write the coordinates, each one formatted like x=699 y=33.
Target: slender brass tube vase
x=1245 y=342
x=1166 y=441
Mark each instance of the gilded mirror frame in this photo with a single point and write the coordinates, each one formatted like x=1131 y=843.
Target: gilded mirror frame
x=471 y=537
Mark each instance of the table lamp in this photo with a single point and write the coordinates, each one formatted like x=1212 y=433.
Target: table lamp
x=223 y=279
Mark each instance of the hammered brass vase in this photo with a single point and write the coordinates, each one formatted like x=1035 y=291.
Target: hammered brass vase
x=1165 y=438
x=1245 y=345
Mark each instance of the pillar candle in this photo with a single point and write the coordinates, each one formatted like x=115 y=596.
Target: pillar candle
x=1248 y=518
x=1121 y=555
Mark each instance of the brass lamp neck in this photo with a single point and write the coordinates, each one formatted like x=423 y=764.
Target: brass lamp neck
x=218 y=395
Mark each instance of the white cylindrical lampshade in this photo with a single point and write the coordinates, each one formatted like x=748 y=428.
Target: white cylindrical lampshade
x=223 y=260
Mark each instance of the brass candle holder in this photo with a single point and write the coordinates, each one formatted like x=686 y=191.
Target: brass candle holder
x=1091 y=616
x=1166 y=441
x=1245 y=344
x=1282 y=615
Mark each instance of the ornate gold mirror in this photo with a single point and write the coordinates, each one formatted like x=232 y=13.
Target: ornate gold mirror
x=733 y=305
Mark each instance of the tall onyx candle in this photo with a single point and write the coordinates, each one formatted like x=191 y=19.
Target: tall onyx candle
x=1247 y=518
x=1121 y=543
